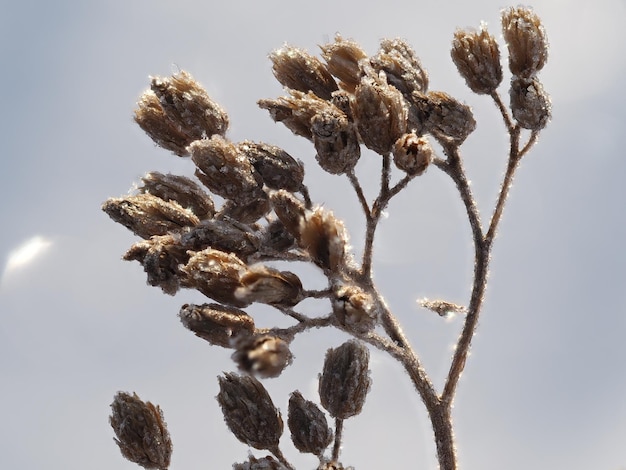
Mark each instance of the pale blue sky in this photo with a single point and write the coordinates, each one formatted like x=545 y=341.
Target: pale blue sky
x=545 y=385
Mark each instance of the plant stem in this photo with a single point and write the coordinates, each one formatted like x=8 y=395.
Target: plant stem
x=338 y=434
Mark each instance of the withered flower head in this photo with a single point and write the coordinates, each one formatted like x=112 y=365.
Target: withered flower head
x=265 y=355
x=246 y=210
x=298 y=70
x=141 y=432
x=249 y=411
x=412 y=154
x=354 y=308
x=290 y=211
x=309 y=429
x=216 y=274
x=147 y=215
x=401 y=66
x=218 y=324
x=269 y=286
x=526 y=39
x=335 y=140
x=278 y=169
x=220 y=234
x=343 y=57
x=477 y=58
x=345 y=381
x=380 y=113
x=225 y=170
x=266 y=463
x=325 y=239
x=180 y=189
x=447 y=119
x=530 y=104
x=177 y=111
x=276 y=237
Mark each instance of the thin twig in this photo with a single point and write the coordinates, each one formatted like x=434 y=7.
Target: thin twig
x=338 y=435
x=359 y=192
x=503 y=110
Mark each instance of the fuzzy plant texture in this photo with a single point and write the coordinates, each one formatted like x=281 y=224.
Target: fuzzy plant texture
x=248 y=207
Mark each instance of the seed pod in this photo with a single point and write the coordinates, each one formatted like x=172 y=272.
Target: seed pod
x=477 y=58
x=180 y=189
x=325 y=239
x=298 y=70
x=401 y=65
x=412 y=154
x=278 y=169
x=354 y=309
x=249 y=411
x=526 y=39
x=224 y=170
x=265 y=356
x=270 y=286
x=530 y=104
x=161 y=258
x=343 y=57
x=216 y=274
x=335 y=140
x=290 y=210
x=147 y=215
x=218 y=324
x=380 y=113
x=345 y=381
x=219 y=234
x=141 y=432
x=447 y=119
x=246 y=211
x=309 y=429
x=276 y=237
x=266 y=463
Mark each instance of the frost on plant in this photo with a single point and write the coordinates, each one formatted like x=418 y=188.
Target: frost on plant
x=247 y=206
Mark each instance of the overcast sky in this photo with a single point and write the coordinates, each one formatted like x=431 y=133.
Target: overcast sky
x=545 y=385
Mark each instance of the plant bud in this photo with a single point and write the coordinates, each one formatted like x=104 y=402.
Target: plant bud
x=278 y=169
x=216 y=274
x=343 y=57
x=530 y=104
x=447 y=119
x=401 y=66
x=298 y=70
x=412 y=154
x=379 y=112
x=141 y=432
x=526 y=39
x=266 y=463
x=309 y=429
x=249 y=411
x=265 y=356
x=477 y=58
x=224 y=170
x=218 y=324
x=147 y=215
x=335 y=140
x=219 y=234
x=354 y=309
x=161 y=258
x=290 y=211
x=180 y=189
x=270 y=286
x=345 y=381
x=325 y=239
x=246 y=211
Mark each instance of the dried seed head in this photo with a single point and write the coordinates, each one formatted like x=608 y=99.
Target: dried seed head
x=295 y=111
x=309 y=429
x=412 y=154
x=401 y=66
x=216 y=274
x=249 y=411
x=277 y=238
x=180 y=189
x=219 y=234
x=380 y=113
x=345 y=381
x=290 y=211
x=530 y=104
x=477 y=58
x=141 y=432
x=278 y=169
x=161 y=258
x=147 y=215
x=270 y=286
x=224 y=170
x=354 y=309
x=325 y=239
x=343 y=57
x=265 y=356
x=526 y=39
x=266 y=463
x=218 y=324
x=246 y=211
x=335 y=140
x=442 y=307
x=447 y=119
x=298 y=70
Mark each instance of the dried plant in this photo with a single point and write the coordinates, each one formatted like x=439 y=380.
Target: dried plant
x=249 y=207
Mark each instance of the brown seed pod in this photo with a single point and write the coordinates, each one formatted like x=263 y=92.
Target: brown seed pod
x=265 y=355
x=477 y=58
x=308 y=425
x=218 y=324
